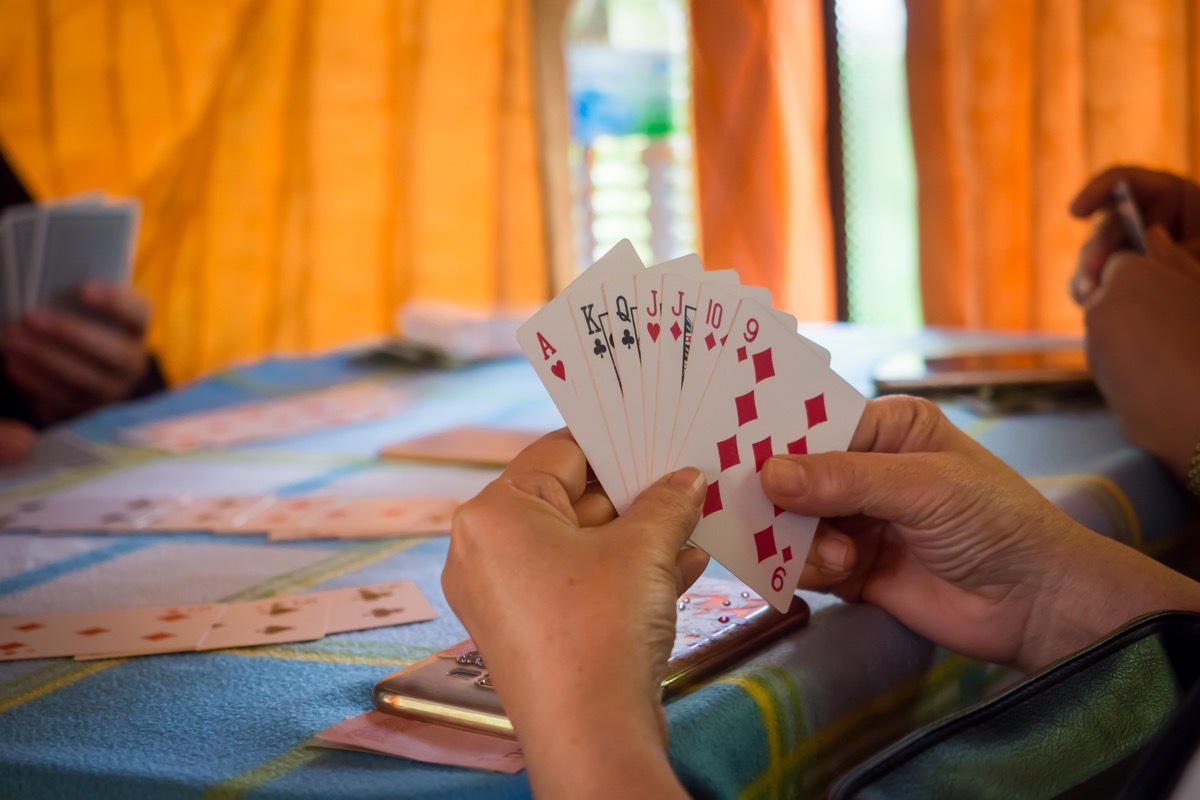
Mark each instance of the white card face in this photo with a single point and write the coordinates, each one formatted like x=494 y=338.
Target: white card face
x=142 y=631
x=652 y=336
x=299 y=618
x=359 y=608
x=551 y=344
x=680 y=293
x=769 y=394
x=594 y=328
x=621 y=302
x=715 y=309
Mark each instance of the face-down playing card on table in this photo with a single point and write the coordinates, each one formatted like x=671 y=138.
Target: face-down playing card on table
x=769 y=394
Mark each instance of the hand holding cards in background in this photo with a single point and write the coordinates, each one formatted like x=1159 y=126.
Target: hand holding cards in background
x=1161 y=199
x=66 y=363
x=73 y=331
x=1142 y=330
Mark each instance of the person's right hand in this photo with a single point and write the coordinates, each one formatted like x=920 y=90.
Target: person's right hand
x=16 y=439
x=960 y=548
x=1162 y=198
x=1143 y=327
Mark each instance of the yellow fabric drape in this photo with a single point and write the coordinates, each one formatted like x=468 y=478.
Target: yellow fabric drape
x=759 y=104
x=304 y=167
x=1015 y=103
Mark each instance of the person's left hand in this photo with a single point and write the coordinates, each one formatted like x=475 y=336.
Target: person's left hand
x=574 y=612
x=67 y=365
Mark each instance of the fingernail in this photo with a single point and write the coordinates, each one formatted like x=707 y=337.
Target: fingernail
x=789 y=476
x=690 y=480
x=1083 y=286
x=833 y=551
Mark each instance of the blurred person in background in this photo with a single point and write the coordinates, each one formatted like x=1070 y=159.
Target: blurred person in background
x=57 y=365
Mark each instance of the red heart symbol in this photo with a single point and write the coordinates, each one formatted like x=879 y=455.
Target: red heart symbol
x=559 y=370
x=653 y=328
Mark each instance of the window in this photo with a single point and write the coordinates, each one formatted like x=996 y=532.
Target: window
x=627 y=72
x=879 y=176
x=627 y=65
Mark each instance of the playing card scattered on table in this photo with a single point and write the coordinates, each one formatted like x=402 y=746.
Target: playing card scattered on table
x=655 y=369
x=302 y=517
x=125 y=632
x=48 y=250
x=467 y=444
x=271 y=419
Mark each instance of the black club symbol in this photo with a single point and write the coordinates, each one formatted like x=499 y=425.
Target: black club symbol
x=600 y=349
x=627 y=339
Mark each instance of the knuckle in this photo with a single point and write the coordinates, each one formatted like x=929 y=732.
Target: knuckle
x=465 y=522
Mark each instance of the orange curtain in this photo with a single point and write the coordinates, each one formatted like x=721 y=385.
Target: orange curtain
x=1015 y=103
x=304 y=167
x=759 y=105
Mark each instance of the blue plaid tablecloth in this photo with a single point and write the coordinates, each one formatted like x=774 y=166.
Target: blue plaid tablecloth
x=235 y=723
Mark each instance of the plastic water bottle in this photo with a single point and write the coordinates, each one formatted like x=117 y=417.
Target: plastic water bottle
x=629 y=98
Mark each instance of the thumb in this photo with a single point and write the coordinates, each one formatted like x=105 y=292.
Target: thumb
x=669 y=509
x=900 y=488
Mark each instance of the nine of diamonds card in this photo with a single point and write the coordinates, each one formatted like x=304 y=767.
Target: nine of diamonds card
x=655 y=369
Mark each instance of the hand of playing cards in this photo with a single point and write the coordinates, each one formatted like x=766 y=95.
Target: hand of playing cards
x=656 y=369
x=48 y=250
x=211 y=626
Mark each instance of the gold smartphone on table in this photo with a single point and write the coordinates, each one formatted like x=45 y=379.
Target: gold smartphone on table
x=719 y=623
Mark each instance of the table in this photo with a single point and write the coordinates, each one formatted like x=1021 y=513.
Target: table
x=232 y=724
